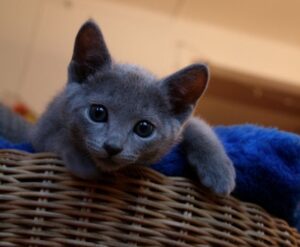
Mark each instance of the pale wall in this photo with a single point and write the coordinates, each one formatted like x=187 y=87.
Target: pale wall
x=37 y=37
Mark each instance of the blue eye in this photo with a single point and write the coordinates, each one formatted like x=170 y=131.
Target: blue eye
x=144 y=128
x=98 y=113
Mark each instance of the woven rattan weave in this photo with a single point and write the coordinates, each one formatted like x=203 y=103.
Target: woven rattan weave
x=42 y=205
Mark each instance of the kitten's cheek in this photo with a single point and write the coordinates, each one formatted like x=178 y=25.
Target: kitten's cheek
x=96 y=152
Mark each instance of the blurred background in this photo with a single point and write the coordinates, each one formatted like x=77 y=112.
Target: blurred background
x=252 y=47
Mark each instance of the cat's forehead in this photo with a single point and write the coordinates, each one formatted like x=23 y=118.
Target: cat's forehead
x=125 y=73
x=126 y=85
x=133 y=71
x=124 y=79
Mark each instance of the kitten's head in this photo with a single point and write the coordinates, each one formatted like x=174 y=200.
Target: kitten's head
x=121 y=114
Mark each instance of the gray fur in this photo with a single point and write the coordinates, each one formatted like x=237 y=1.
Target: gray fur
x=207 y=156
x=12 y=126
x=130 y=94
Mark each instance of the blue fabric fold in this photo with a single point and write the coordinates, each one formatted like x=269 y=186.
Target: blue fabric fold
x=6 y=144
x=267 y=163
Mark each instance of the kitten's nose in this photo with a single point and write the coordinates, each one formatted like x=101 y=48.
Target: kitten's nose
x=112 y=149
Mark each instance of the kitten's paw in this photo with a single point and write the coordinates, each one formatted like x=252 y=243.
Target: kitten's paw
x=217 y=172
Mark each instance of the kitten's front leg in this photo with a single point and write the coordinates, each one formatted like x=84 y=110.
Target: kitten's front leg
x=207 y=156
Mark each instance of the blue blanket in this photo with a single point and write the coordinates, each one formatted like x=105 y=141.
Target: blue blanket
x=267 y=163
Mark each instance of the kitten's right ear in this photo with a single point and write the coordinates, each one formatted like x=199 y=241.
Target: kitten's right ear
x=90 y=53
x=185 y=87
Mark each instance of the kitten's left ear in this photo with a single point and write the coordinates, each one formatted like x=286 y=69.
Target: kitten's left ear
x=185 y=87
x=90 y=53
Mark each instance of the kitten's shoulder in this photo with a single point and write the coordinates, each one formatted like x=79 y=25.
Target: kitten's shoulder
x=49 y=124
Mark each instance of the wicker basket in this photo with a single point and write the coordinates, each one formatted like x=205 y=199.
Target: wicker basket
x=42 y=205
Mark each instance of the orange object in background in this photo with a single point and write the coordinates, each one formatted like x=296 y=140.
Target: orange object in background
x=16 y=104
x=24 y=111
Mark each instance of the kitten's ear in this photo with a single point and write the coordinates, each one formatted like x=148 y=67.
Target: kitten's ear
x=90 y=53
x=185 y=87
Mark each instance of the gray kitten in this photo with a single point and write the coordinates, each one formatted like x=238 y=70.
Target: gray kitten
x=110 y=115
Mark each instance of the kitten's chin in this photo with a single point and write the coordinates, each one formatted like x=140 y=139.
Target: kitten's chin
x=108 y=165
